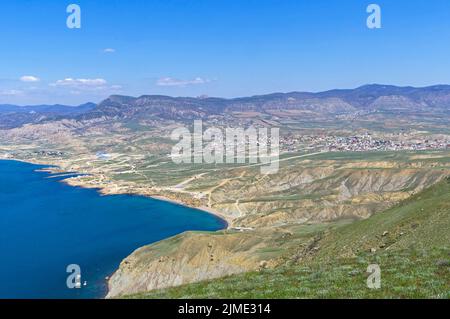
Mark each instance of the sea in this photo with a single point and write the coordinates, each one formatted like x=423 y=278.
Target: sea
x=51 y=232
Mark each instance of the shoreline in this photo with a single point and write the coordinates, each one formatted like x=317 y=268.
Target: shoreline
x=227 y=220
x=53 y=169
x=106 y=191
x=56 y=169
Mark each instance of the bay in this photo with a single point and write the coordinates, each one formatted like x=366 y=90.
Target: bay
x=46 y=225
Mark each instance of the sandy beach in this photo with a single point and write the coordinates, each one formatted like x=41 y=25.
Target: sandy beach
x=209 y=210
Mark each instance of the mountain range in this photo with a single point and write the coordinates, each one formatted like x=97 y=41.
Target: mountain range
x=13 y=115
x=367 y=98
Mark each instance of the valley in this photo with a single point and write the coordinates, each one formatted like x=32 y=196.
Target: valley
x=347 y=158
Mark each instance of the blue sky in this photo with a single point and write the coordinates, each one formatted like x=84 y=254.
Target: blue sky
x=222 y=48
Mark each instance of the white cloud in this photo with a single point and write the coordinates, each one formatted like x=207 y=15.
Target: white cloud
x=80 y=86
x=81 y=83
x=109 y=50
x=168 y=81
x=11 y=92
x=29 y=78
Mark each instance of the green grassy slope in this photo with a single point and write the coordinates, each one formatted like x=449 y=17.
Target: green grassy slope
x=410 y=242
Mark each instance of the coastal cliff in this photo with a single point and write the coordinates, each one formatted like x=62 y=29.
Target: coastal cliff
x=186 y=258
x=193 y=257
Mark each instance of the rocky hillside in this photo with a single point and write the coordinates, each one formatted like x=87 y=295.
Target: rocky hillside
x=280 y=217
x=193 y=257
x=410 y=243
x=314 y=189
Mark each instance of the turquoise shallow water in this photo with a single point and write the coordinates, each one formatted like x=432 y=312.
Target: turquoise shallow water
x=46 y=225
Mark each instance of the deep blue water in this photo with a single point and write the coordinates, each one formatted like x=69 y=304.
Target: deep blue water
x=46 y=225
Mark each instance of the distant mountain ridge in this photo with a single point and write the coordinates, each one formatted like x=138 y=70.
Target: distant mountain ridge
x=14 y=116
x=367 y=98
x=44 y=108
x=374 y=96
